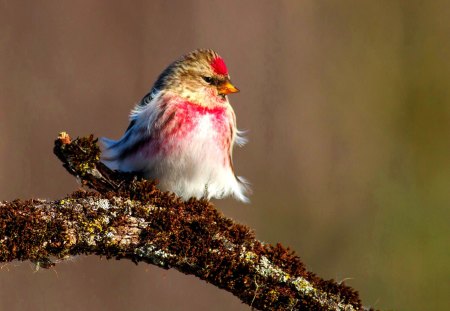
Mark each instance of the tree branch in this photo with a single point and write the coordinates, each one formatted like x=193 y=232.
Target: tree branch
x=128 y=217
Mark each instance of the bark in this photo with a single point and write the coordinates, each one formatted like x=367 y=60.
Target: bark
x=129 y=218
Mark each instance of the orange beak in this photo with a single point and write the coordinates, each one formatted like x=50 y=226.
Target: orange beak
x=227 y=88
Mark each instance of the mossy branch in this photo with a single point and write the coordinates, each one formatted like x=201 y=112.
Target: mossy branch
x=128 y=217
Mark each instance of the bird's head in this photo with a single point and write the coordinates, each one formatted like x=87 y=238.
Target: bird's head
x=200 y=76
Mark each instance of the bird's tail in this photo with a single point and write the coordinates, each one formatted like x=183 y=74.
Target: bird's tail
x=117 y=156
x=110 y=153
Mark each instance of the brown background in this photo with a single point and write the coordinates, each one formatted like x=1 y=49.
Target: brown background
x=347 y=107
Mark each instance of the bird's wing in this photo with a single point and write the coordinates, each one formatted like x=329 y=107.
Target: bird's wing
x=142 y=119
x=142 y=103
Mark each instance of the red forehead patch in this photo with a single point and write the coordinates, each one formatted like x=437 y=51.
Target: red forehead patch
x=219 y=67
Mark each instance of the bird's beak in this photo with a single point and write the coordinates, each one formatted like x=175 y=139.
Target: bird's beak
x=227 y=88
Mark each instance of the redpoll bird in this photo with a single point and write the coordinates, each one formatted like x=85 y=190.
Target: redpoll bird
x=183 y=131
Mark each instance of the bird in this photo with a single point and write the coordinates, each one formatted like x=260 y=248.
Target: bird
x=182 y=132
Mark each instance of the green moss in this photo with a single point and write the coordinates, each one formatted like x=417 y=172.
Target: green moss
x=192 y=236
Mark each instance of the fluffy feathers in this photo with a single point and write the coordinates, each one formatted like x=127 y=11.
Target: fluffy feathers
x=182 y=132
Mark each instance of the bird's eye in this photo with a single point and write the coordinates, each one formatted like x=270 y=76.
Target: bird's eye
x=208 y=80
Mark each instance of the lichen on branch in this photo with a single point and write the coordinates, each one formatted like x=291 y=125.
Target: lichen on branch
x=130 y=218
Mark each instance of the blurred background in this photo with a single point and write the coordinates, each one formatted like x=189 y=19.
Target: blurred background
x=347 y=107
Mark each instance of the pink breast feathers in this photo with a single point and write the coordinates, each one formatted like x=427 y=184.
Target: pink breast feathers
x=219 y=67
x=181 y=122
x=181 y=125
